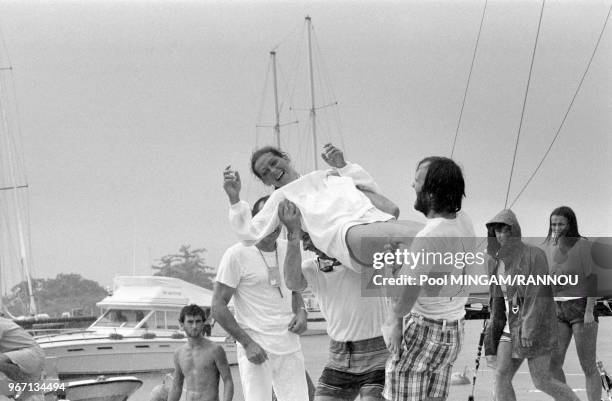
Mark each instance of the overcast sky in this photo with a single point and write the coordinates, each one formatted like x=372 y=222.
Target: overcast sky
x=129 y=111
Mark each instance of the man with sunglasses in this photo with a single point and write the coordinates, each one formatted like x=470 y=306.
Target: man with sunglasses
x=268 y=318
x=357 y=351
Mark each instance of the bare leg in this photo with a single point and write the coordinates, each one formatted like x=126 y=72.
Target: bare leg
x=492 y=363
x=506 y=369
x=564 y=338
x=372 y=398
x=365 y=239
x=346 y=396
x=539 y=368
x=585 y=337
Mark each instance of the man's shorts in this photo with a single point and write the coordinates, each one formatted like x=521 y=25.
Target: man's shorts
x=422 y=369
x=354 y=368
x=572 y=311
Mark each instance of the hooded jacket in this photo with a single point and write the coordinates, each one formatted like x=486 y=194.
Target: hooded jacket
x=532 y=308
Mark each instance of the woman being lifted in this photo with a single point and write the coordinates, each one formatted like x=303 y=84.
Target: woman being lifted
x=339 y=207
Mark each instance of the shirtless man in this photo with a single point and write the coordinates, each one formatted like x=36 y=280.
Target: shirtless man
x=199 y=363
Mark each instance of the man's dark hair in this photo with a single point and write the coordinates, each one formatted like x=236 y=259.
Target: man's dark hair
x=258 y=205
x=192 y=310
x=443 y=184
x=493 y=244
x=262 y=151
x=572 y=234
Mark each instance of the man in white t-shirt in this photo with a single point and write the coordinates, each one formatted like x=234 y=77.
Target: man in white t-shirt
x=425 y=328
x=357 y=351
x=268 y=318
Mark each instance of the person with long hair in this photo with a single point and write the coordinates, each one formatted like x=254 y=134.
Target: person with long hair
x=339 y=207
x=569 y=253
x=523 y=325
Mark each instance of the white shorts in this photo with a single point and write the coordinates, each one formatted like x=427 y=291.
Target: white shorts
x=285 y=373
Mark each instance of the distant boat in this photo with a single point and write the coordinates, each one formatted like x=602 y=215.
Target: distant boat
x=138 y=331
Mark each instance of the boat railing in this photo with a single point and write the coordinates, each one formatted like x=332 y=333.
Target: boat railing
x=50 y=333
x=119 y=337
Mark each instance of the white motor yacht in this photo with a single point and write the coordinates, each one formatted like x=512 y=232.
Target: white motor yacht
x=137 y=332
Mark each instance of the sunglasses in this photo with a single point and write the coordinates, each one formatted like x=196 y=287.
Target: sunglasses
x=327 y=265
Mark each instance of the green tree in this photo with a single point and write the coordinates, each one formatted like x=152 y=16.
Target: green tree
x=56 y=295
x=188 y=265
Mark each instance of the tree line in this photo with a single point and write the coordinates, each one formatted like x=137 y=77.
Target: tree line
x=70 y=292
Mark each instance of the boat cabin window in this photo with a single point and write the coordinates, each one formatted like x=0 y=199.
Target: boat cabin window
x=172 y=320
x=121 y=318
x=164 y=320
x=160 y=319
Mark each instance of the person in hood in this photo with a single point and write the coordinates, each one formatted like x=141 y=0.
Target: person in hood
x=523 y=319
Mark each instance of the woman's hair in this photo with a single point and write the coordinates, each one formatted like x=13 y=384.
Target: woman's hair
x=572 y=234
x=262 y=151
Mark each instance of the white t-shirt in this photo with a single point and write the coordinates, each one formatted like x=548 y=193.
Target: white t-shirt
x=349 y=315
x=259 y=308
x=443 y=235
x=329 y=203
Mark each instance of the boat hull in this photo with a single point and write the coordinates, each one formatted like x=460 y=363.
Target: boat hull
x=103 y=356
x=99 y=389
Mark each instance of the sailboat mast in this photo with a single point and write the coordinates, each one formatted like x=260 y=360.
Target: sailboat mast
x=22 y=246
x=25 y=265
x=313 y=113
x=276 y=109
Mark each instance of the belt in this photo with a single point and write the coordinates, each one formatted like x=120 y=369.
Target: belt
x=367 y=344
x=444 y=323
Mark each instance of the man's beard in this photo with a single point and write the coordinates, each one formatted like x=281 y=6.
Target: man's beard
x=195 y=333
x=422 y=203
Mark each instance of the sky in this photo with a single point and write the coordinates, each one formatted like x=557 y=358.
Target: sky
x=126 y=113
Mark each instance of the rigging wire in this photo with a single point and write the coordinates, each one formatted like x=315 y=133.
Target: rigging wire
x=329 y=98
x=286 y=38
x=518 y=135
x=10 y=146
x=569 y=108
x=297 y=63
x=263 y=98
x=467 y=85
x=297 y=66
x=19 y=201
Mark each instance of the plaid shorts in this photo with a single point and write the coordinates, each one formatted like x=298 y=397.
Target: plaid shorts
x=423 y=368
